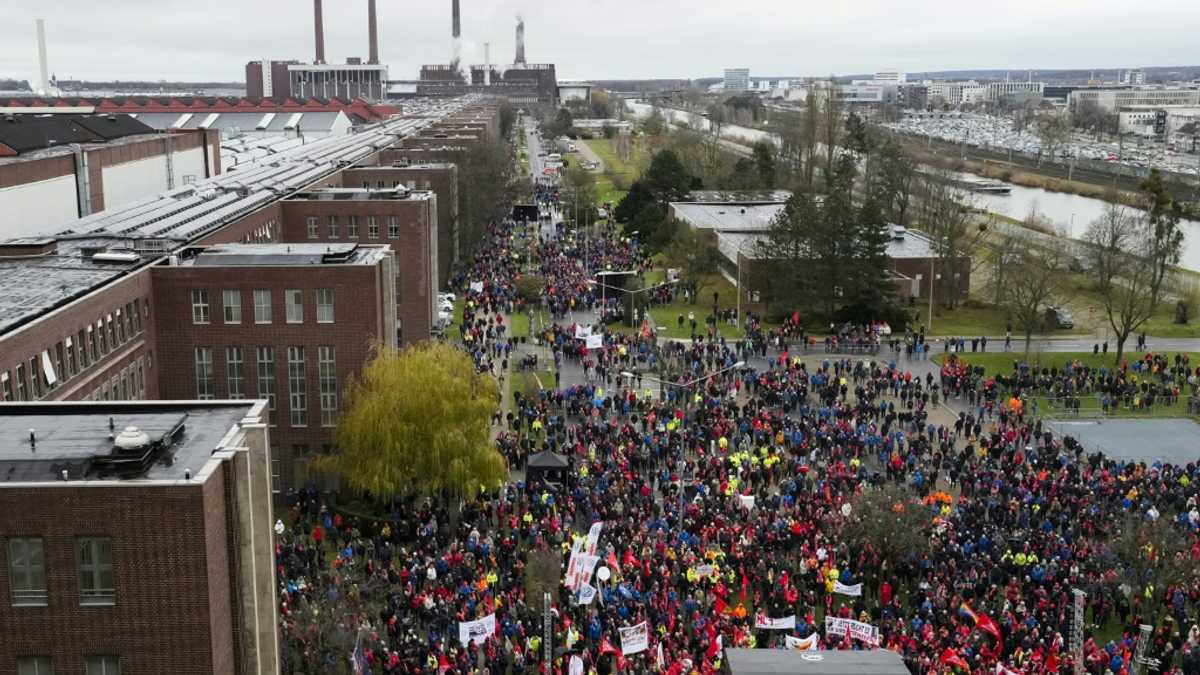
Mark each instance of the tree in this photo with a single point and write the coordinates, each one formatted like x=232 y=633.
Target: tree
x=1152 y=554
x=508 y=117
x=638 y=197
x=1053 y=129
x=890 y=522
x=945 y=216
x=584 y=198
x=696 y=256
x=1124 y=278
x=897 y=176
x=666 y=178
x=561 y=124
x=764 y=163
x=652 y=227
x=487 y=186
x=1162 y=229
x=602 y=105
x=655 y=124
x=418 y=422
x=1035 y=277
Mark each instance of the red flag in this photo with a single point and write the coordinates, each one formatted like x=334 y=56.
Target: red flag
x=443 y=664
x=951 y=658
x=714 y=648
x=986 y=624
x=1052 y=662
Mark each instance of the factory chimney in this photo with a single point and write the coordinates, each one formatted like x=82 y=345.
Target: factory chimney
x=372 y=33
x=487 y=64
x=520 y=60
x=456 y=34
x=319 y=27
x=43 y=67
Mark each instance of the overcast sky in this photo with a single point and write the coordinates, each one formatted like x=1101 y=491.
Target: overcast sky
x=212 y=39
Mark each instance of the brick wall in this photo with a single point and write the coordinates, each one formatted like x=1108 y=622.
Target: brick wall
x=358 y=325
x=161 y=621
x=442 y=179
x=415 y=248
x=18 y=347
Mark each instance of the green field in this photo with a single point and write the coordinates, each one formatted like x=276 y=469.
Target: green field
x=1001 y=363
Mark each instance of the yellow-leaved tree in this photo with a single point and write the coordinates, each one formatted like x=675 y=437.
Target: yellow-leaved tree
x=418 y=421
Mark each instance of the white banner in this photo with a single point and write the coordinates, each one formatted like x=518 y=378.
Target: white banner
x=477 y=631
x=855 y=590
x=587 y=565
x=747 y=502
x=635 y=639
x=595 y=342
x=593 y=539
x=582 y=332
x=705 y=570
x=856 y=629
x=808 y=644
x=571 y=579
x=477 y=286
x=767 y=623
x=587 y=593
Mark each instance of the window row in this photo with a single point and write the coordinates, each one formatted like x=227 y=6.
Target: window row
x=265 y=374
x=263 y=298
x=34 y=378
x=334 y=229
x=129 y=384
x=93 y=568
x=265 y=233
x=43 y=665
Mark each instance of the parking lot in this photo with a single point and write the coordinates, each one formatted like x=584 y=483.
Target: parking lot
x=992 y=132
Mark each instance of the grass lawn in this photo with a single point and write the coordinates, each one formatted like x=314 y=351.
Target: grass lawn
x=998 y=363
x=518 y=323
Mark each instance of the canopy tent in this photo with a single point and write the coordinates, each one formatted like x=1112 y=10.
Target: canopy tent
x=770 y=661
x=547 y=466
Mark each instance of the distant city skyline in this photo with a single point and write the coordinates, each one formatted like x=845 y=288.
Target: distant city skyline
x=598 y=39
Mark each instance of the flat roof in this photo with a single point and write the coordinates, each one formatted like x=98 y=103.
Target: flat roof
x=821 y=662
x=1134 y=440
x=728 y=217
x=284 y=255
x=398 y=193
x=913 y=245
x=78 y=437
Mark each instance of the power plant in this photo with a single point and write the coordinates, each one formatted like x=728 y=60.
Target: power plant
x=520 y=82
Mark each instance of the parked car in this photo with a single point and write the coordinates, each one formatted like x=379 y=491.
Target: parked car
x=1057 y=317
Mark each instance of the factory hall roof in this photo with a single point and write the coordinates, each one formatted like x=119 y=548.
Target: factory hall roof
x=86 y=440
x=21 y=134
x=283 y=255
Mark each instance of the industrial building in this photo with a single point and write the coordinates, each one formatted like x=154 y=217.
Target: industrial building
x=57 y=168
x=739 y=224
x=134 y=538
x=737 y=79
x=115 y=306
x=1113 y=100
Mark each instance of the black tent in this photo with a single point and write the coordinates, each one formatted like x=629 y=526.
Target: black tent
x=548 y=466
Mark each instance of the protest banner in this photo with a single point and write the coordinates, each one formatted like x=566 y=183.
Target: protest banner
x=767 y=623
x=634 y=639
x=477 y=631
x=595 y=342
x=808 y=644
x=593 y=538
x=855 y=590
x=587 y=593
x=855 y=629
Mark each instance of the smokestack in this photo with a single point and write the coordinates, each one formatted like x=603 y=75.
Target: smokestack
x=319 y=27
x=43 y=68
x=456 y=34
x=520 y=60
x=487 y=64
x=372 y=33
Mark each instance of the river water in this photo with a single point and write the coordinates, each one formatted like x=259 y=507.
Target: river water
x=1068 y=213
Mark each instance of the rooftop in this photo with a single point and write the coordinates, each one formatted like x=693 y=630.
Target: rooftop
x=728 y=217
x=398 y=193
x=81 y=439
x=823 y=662
x=282 y=255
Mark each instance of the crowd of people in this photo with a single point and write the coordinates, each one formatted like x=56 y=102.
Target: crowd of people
x=725 y=495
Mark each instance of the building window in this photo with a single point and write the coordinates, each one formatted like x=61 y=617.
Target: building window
x=327 y=377
x=20 y=375
x=102 y=338
x=335 y=228
x=204 y=373
x=352 y=227
x=6 y=389
x=27 y=572
x=59 y=360
x=235 y=372
x=120 y=326
x=231 y=301
x=324 y=305
x=88 y=348
x=34 y=665
x=262 y=306
x=393 y=227
x=297 y=395
x=131 y=318
x=69 y=354
x=103 y=665
x=295 y=305
x=199 y=306
x=35 y=378
x=111 y=328
x=266 y=376
x=311 y=222
x=81 y=347
x=94 y=557
x=372 y=227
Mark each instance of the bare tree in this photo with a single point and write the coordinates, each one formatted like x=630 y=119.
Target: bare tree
x=1053 y=129
x=944 y=214
x=1123 y=273
x=1151 y=554
x=831 y=131
x=889 y=521
x=999 y=258
x=1036 y=274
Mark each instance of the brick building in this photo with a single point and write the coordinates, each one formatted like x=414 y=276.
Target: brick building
x=439 y=178
x=405 y=220
x=288 y=323
x=97 y=312
x=134 y=539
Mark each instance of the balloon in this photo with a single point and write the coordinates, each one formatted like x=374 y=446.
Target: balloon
x=603 y=574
